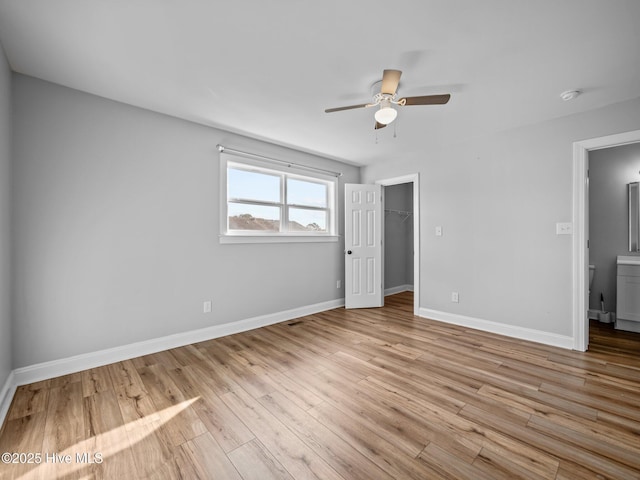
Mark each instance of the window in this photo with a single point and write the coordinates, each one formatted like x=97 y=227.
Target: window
x=261 y=202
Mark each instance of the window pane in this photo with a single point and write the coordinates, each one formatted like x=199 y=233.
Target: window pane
x=253 y=217
x=243 y=184
x=311 y=194
x=302 y=220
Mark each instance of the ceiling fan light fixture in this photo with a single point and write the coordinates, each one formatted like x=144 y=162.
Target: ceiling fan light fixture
x=388 y=96
x=386 y=115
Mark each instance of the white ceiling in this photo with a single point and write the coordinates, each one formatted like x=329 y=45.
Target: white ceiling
x=269 y=68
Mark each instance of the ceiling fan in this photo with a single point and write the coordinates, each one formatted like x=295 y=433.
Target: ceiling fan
x=387 y=97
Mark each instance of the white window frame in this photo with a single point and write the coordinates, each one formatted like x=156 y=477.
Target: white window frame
x=245 y=236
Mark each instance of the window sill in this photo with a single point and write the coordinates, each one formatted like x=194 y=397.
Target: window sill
x=278 y=238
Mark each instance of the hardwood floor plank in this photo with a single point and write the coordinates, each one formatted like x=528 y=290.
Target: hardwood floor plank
x=66 y=379
x=211 y=377
x=23 y=434
x=29 y=399
x=64 y=426
x=226 y=428
x=151 y=452
x=536 y=402
x=345 y=459
x=133 y=399
x=299 y=460
x=379 y=450
x=618 y=451
x=101 y=413
x=95 y=380
x=208 y=459
x=598 y=402
x=187 y=355
x=599 y=430
x=254 y=461
x=164 y=393
x=303 y=337
x=500 y=467
x=619 y=423
x=448 y=466
x=519 y=457
x=296 y=393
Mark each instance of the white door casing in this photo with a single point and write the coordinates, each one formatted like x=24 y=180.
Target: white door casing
x=363 y=246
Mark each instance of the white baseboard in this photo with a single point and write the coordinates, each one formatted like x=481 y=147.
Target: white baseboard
x=398 y=289
x=522 y=333
x=6 y=395
x=77 y=363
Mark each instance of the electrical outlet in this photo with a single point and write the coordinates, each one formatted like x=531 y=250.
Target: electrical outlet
x=339 y=284
x=206 y=307
x=455 y=297
x=564 y=228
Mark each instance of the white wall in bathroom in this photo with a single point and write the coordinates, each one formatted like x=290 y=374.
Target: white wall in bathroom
x=610 y=170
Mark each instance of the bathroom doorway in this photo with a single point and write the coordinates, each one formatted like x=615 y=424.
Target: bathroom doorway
x=401 y=229
x=581 y=214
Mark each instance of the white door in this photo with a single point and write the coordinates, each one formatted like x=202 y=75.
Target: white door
x=363 y=246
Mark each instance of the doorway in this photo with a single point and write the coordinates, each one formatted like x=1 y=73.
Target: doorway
x=401 y=230
x=581 y=229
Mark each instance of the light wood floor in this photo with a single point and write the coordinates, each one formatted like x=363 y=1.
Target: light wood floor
x=364 y=394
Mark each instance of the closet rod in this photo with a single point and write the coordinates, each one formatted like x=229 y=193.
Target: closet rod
x=222 y=148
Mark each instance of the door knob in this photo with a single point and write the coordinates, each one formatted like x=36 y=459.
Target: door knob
x=349 y=252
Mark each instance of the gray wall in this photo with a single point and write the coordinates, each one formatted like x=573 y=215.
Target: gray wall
x=498 y=199
x=610 y=170
x=5 y=220
x=116 y=229
x=398 y=236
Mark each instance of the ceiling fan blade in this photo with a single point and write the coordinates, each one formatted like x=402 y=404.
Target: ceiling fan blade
x=379 y=125
x=350 y=107
x=427 y=100
x=390 y=81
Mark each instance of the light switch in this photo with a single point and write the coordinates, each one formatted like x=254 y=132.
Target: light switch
x=438 y=231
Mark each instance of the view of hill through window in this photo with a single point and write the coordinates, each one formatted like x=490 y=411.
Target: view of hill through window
x=246 y=221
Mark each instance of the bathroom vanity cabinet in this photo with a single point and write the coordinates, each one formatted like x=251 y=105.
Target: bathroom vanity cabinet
x=628 y=294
